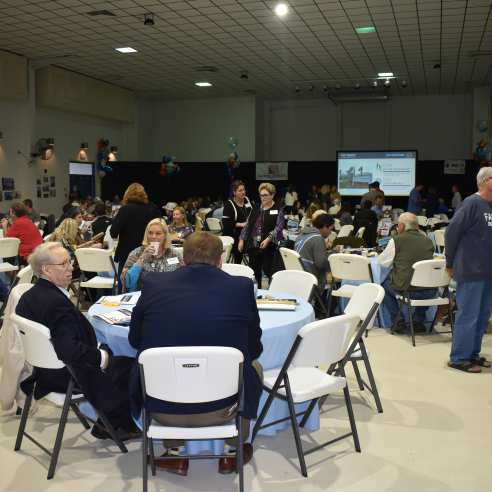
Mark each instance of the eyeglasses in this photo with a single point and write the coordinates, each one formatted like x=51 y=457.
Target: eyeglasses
x=264 y=195
x=64 y=264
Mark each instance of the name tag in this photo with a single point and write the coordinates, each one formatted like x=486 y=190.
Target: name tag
x=173 y=261
x=273 y=212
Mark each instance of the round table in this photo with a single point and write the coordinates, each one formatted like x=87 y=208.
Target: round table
x=279 y=329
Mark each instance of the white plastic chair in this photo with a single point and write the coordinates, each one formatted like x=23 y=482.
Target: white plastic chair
x=227 y=243
x=348 y=267
x=40 y=353
x=345 y=231
x=291 y=259
x=96 y=260
x=360 y=232
x=427 y=274
x=195 y=375
x=24 y=276
x=422 y=220
x=299 y=379
x=365 y=303
x=439 y=237
x=9 y=248
x=214 y=225
x=238 y=270
x=226 y=240
x=337 y=225
x=294 y=282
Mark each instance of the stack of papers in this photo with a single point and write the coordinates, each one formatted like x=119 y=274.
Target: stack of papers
x=118 y=317
x=272 y=304
x=115 y=301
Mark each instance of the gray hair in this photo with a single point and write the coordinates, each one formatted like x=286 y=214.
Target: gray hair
x=42 y=255
x=483 y=174
x=409 y=220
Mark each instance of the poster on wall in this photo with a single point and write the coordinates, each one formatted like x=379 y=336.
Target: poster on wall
x=8 y=195
x=272 y=171
x=8 y=184
x=455 y=166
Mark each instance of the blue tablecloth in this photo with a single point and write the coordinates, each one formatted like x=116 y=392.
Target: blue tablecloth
x=279 y=332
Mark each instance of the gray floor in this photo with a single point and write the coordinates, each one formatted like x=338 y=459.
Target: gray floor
x=434 y=435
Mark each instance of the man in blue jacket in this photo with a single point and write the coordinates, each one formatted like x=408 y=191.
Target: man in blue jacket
x=468 y=243
x=200 y=305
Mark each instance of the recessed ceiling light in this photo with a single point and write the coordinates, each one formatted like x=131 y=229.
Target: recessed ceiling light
x=203 y=84
x=365 y=29
x=385 y=74
x=126 y=49
x=281 y=9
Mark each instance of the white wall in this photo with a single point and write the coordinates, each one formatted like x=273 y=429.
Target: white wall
x=196 y=130
x=438 y=126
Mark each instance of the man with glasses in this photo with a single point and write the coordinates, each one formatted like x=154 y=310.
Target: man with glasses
x=468 y=242
x=102 y=377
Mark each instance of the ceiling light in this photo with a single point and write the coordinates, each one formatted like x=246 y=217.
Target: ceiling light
x=385 y=75
x=387 y=83
x=365 y=29
x=281 y=9
x=126 y=49
x=203 y=84
x=374 y=83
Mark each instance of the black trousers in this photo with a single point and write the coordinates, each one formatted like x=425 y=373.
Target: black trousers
x=261 y=260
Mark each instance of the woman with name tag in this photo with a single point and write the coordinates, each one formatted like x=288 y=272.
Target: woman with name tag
x=263 y=232
x=235 y=216
x=155 y=255
x=179 y=227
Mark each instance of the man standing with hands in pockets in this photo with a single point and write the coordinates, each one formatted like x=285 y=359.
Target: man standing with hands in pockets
x=468 y=243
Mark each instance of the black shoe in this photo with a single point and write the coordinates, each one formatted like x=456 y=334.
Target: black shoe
x=123 y=434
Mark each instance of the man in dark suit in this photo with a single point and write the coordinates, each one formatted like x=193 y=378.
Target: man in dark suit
x=200 y=305
x=102 y=378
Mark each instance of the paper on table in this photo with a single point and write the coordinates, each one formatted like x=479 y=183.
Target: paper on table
x=118 y=317
x=115 y=301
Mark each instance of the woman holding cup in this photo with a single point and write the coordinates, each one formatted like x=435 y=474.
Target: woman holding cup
x=154 y=255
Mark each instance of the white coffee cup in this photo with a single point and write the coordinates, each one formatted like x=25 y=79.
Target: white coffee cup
x=155 y=247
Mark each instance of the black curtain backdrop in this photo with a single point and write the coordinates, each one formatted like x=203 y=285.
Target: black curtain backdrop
x=212 y=179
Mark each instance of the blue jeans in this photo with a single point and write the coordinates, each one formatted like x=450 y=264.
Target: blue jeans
x=4 y=291
x=391 y=304
x=474 y=300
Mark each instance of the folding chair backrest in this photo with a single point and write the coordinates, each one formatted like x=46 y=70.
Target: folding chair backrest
x=9 y=247
x=94 y=260
x=294 y=282
x=345 y=230
x=360 y=232
x=214 y=224
x=337 y=224
x=350 y=267
x=430 y=273
x=439 y=237
x=17 y=292
x=192 y=374
x=226 y=240
x=24 y=275
x=238 y=270
x=291 y=259
x=226 y=254
x=362 y=301
x=326 y=341
x=422 y=220
x=38 y=349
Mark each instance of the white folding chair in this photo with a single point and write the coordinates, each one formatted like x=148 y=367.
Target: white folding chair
x=422 y=220
x=96 y=260
x=345 y=231
x=293 y=261
x=360 y=232
x=238 y=270
x=194 y=375
x=39 y=352
x=439 y=237
x=365 y=303
x=227 y=243
x=427 y=274
x=24 y=276
x=226 y=240
x=9 y=248
x=214 y=225
x=323 y=342
x=337 y=225
x=294 y=282
x=347 y=267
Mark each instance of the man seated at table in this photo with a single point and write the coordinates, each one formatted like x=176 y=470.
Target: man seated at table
x=408 y=246
x=102 y=377
x=311 y=245
x=199 y=305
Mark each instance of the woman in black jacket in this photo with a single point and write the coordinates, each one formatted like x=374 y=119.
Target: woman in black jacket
x=263 y=232
x=235 y=216
x=130 y=222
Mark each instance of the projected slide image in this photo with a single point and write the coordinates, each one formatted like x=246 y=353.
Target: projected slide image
x=395 y=172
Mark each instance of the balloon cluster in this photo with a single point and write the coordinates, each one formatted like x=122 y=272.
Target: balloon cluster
x=168 y=166
x=481 y=153
x=233 y=161
x=102 y=157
